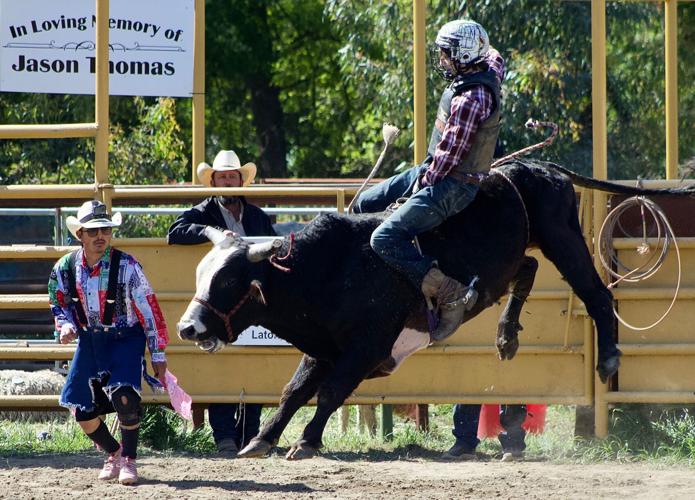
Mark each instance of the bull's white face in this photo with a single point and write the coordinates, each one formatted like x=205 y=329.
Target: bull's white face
x=219 y=282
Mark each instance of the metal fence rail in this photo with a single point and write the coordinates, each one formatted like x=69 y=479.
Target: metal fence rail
x=557 y=340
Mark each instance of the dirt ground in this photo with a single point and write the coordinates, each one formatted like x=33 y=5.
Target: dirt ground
x=342 y=475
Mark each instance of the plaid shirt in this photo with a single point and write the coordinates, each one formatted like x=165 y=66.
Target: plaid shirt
x=135 y=300
x=468 y=111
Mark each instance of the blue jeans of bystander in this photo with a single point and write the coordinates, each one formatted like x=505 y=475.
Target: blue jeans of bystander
x=512 y=438
x=229 y=421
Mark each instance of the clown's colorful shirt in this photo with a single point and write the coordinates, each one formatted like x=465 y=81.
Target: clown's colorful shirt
x=135 y=300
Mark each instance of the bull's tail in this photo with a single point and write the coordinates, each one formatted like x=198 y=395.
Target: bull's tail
x=612 y=187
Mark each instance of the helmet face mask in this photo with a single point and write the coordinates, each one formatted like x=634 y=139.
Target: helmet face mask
x=464 y=42
x=442 y=62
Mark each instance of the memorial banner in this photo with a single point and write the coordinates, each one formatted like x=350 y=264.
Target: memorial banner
x=49 y=47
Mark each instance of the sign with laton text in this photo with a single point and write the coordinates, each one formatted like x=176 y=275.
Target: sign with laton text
x=257 y=335
x=50 y=47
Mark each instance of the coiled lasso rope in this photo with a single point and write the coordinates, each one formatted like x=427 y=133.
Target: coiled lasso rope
x=664 y=238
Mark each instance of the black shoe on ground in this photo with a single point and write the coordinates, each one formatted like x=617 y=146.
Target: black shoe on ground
x=459 y=452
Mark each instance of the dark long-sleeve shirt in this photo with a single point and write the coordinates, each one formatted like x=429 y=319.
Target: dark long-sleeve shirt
x=188 y=228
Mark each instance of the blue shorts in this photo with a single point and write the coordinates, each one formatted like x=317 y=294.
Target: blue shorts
x=104 y=361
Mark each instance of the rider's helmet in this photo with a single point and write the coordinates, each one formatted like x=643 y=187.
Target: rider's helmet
x=465 y=43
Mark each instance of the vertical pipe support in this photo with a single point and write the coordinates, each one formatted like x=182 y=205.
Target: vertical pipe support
x=340 y=200
x=101 y=97
x=586 y=219
x=671 y=86
x=386 y=422
x=58 y=227
x=600 y=164
x=598 y=88
x=198 y=107
x=419 y=81
x=589 y=389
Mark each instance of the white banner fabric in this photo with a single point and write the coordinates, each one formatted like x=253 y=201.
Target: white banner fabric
x=48 y=46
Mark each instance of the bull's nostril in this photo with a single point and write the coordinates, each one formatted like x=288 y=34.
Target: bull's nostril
x=187 y=332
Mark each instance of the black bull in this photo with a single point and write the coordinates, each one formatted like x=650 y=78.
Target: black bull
x=344 y=308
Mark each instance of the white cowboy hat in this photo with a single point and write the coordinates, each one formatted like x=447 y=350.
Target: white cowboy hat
x=90 y=215
x=225 y=161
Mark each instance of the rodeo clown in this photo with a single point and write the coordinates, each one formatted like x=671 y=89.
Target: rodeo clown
x=101 y=297
x=459 y=156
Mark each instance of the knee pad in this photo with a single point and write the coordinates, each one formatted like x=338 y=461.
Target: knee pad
x=126 y=402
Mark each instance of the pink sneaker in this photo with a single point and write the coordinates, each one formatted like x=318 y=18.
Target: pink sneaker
x=129 y=471
x=112 y=466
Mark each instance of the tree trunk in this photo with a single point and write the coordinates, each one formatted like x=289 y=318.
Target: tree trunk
x=270 y=132
x=265 y=99
x=584 y=422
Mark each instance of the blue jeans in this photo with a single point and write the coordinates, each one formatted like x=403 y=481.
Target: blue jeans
x=380 y=196
x=512 y=438
x=466 y=418
x=228 y=421
x=426 y=209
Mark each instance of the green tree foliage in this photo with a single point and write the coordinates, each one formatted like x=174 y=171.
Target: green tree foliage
x=301 y=87
x=272 y=71
x=40 y=161
x=146 y=147
x=152 y=150
x=547 y=45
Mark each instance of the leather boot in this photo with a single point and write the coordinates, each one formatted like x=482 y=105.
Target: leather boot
x=452 y=298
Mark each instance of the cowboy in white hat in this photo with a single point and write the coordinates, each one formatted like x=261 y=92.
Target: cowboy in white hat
x=227 y=213
x=233 y=426
x=102 y=295
x=226 y=161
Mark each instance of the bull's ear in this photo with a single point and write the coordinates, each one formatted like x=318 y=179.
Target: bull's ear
x=214 y=234
x=262 y=251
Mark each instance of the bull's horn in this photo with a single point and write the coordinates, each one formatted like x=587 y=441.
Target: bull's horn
x=214 y=234
x=262 y=251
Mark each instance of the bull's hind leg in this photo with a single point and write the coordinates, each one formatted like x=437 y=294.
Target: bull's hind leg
x=564 y=245
x=349 y=371
x=508 y=327
x=296 y=393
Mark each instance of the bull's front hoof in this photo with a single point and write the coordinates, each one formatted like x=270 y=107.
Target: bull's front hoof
x=301 y=450
x=257 y=448
x=507 y=339
x=608 y=367
x=507 y=347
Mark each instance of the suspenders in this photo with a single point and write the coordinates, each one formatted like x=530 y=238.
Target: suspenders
x=110 y=291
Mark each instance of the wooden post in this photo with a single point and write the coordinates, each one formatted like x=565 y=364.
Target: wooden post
x=387 y=422
x=198 y=410
x=367 y=418
x=422 y=417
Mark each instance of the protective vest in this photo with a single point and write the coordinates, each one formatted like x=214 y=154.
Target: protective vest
x=479 y=157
